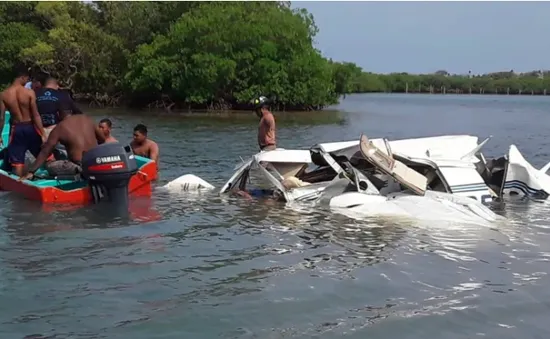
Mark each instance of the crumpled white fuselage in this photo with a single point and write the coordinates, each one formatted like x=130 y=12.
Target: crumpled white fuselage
x=434 y=206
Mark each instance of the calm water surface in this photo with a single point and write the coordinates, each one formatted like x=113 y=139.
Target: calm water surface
x=200 y=266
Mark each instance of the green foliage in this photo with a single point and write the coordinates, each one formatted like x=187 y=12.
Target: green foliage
x=207 y=54
x=202 y=54
x=442 y=82
x=222 y=54
x=13 y=38
x=78 y=52
x=345 y=74
x=137 y=22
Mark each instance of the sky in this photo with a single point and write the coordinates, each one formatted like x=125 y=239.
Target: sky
x=423 y=37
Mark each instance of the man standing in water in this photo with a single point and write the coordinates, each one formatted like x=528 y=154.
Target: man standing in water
x=266 y=129
x=78 y=133
x=105 y=126
x=26 y=132
x=143 y=146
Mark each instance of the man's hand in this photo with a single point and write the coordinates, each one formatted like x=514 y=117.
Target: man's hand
x=27 y=176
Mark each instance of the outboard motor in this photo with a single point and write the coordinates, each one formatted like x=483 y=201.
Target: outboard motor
x=108 y=169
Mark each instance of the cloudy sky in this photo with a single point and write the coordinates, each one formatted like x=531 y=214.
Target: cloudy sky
x=420 y=37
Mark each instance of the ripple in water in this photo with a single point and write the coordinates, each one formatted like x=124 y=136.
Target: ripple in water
x=202 y=266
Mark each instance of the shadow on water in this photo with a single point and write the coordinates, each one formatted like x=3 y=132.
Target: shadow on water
x=28 y=218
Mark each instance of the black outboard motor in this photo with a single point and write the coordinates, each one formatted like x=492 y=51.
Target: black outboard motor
x=108 y=169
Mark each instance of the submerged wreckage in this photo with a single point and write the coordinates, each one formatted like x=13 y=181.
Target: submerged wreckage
x=433 y=178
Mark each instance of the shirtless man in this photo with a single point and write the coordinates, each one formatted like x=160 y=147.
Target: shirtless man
x=266 y=129
x=78 y=133
x=26 y=132
x=105 y=126
x=143 y=146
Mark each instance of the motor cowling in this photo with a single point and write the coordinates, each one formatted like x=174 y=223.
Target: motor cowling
x=109 y=168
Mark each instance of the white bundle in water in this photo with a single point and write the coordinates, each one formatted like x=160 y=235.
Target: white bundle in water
x=188 y=182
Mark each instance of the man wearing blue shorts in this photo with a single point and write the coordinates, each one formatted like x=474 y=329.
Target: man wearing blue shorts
x=26 y=132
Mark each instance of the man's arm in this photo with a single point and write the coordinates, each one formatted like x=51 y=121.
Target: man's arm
x=154 y=152
x=99 y=135
x=271 y=126
x=37 y=120
x=47 y=149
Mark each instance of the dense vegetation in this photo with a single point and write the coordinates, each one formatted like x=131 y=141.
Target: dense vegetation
x=216 y=55
x=442 y=82
x=184 y=54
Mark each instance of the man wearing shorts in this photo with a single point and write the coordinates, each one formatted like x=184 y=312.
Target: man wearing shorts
x=26 y=132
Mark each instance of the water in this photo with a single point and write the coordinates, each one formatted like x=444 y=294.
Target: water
x=197 y=266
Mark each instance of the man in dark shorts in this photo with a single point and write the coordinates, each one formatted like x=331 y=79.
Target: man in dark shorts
x=266 y=128
x=105 y=126
x=78 y=133
x=26 y=132
x=143 y=146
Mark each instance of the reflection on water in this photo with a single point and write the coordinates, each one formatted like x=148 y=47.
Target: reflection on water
x=196 y=265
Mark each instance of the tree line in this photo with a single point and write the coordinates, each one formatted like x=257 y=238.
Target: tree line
x=189 y=55
x=353 y=79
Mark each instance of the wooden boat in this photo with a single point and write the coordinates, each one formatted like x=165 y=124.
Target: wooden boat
x=71 y=190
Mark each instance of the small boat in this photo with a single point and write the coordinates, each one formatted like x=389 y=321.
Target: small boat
x=75 y=189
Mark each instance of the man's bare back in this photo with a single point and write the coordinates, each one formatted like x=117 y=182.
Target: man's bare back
x=26 y=130
x=21 y=103
x=78 y=133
